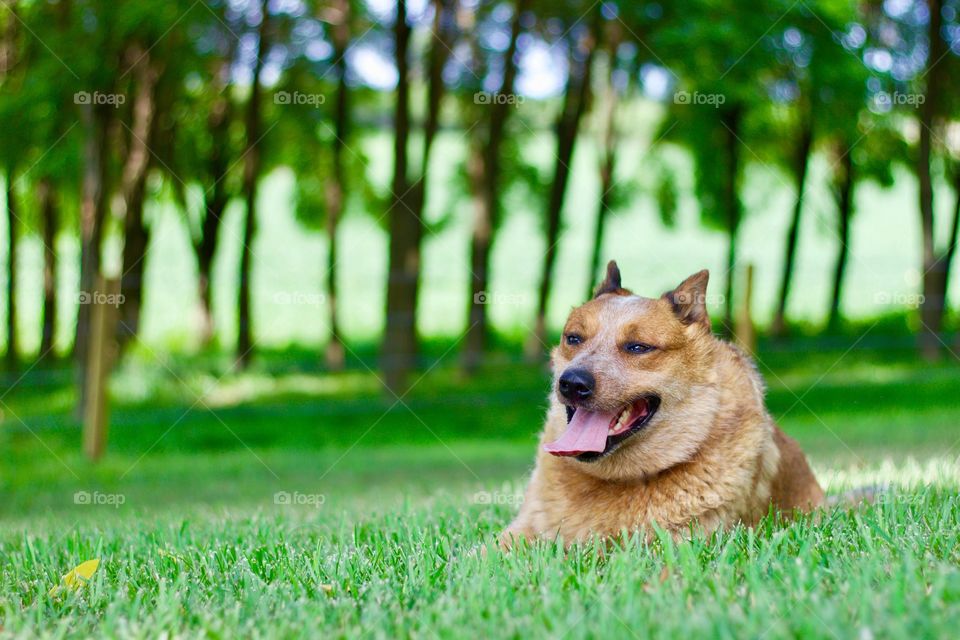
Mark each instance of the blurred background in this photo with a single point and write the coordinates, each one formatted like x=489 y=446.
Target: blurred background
x=290 y=244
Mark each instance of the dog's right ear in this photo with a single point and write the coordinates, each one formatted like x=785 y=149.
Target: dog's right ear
x=689 y=299
x=610 y=284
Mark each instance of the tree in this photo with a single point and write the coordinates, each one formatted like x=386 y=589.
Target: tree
x=915 y=38
x=37 y=92
x=608 y=153
x=48 y=203
x=320 y=139
x=251 y=176
x=803 y=145
x=400 y=339
x=934 y=280
x=100 y=96
x=810 y=53
x=484 y=171
x=205 y=147
x=13 y=233
x=334 y=191
x=9 y=37
x=718 y=51
x=146 y=71
x=408 y=196
x=581 y=46
x=861 y=144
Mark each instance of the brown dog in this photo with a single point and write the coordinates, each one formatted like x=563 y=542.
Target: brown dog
x=656 y=421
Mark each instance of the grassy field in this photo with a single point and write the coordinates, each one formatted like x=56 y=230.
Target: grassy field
x=283 y=502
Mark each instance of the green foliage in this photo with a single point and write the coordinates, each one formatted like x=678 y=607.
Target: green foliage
x=765 y=71
x=667 y=196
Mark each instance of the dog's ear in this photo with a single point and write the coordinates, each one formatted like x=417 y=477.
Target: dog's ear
x=689 y=299
x=610 y=284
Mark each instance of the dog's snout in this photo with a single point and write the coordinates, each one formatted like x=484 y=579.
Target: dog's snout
x=576 y=384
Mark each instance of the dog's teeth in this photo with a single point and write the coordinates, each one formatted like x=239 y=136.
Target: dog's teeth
x=621 y=424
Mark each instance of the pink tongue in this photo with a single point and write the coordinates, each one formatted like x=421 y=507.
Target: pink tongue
x=587 y=431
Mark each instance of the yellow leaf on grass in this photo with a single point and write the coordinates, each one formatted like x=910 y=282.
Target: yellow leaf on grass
x=77 y=577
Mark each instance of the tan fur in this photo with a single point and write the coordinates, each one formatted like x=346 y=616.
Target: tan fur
x=711 y=456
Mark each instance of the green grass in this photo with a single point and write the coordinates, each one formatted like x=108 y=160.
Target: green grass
x=383 y=540
x=888 y=571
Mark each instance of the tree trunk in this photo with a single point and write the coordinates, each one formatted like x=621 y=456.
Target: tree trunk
x=334 y=188
x=136 y=240
x=216 y=197
x=801 y=163
x=603 y=209
x=9 y=49
x=946 y=259
x=607 y=163
x=439 y=50
x=952 y=239
x=475 y=343
x=12 y=236
x=400 y=344
x=484 y=172
x=934 y=276
x=132 y=190
x=843 y=194
x=731 y=120
x=205 y=250
x=400 y=339
x=46 y=198
x=567 y=127
x=93 y=209
x=214 y=204
x=251 y=174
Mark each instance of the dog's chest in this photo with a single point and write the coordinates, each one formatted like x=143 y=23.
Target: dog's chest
x=579 y=510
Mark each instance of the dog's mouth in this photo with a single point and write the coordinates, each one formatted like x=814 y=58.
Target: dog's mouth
x=591 y=435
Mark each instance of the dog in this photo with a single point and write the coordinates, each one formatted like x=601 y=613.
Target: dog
x=654 y=420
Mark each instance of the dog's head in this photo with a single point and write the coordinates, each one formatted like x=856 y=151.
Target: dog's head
x=634 y=376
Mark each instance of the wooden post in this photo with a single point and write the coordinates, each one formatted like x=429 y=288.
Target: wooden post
x=105 y=301
x=745 y=333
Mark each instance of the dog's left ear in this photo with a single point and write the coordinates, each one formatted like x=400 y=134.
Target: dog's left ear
x=689 y=299
x=610 y=284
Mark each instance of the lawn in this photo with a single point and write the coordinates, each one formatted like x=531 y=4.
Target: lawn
x=284 y=502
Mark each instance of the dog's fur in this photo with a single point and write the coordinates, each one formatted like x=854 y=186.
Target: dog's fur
x=710 y=456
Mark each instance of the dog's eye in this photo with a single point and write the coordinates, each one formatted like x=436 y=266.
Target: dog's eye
x=573 y=339
x=638 y=347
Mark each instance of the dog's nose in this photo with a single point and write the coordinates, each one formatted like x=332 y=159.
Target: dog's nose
x=576 y=384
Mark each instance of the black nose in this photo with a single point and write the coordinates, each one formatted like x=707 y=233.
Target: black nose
x=576 y=384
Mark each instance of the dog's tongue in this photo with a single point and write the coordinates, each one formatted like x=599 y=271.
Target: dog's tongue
x=587 y=431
